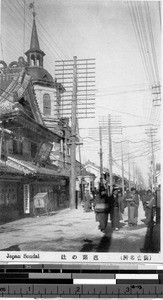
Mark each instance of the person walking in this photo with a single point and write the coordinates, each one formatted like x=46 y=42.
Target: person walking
x=144 y=200
x=115 y=211
x=88 y=202
x=133 y=205
x=121 y=204
x=101 y=205
x=149 y=207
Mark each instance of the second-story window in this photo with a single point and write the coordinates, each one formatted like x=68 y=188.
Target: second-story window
x=46 y=105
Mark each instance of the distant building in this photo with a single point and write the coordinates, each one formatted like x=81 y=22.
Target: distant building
x=95 y=169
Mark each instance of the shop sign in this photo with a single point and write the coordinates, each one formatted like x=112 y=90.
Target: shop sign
x=26 y=199
x=44 y=152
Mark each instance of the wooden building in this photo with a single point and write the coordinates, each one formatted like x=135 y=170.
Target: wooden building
x=25 y=147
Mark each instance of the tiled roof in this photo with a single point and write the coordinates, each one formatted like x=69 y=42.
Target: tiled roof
x=84 y=172
x=28 y=168
x=7 y=100
x=5 y=169
x=21 y=86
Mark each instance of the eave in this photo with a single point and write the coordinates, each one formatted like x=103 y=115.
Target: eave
x=26 y=122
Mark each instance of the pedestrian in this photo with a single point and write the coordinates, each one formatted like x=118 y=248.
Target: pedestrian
x=144 y=200
x=102 y=208
x=115 y=211
x=88 y=202
x=95 y=192
x=149 y=207
x=121 y=204
x=133 y=205
x=125 y=202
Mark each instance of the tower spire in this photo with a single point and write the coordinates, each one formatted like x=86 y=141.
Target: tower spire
x=34 y=45
x=34 y=54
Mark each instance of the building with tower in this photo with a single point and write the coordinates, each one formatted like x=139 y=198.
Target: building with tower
x=48 y=94
x=35 y=140
x=30 y=131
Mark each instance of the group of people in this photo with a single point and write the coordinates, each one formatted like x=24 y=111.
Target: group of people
x=113 y=206
x=105 y=205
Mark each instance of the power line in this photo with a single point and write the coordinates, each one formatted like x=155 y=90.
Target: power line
x=138 y=35
x=124 y=86
x=123 y=92
x=118 y=142
x=21 y=14
x=152 y=41
x=141 y=155
x=118 y=111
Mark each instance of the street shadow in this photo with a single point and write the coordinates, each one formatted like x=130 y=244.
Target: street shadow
x=152 y=239
x=88 y=246
x=105 y=242
x=99 y=245
x=11 y=248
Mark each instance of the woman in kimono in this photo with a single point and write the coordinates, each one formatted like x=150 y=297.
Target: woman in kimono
x=88 y=202
x=133 y=205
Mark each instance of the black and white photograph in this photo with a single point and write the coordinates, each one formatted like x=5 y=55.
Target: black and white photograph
x=80 y=127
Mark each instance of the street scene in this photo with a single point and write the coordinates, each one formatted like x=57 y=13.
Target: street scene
x=68 y=231
x=80 y=126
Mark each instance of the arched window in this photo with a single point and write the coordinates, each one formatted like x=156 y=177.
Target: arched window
x=32 y=60
x=46 y=105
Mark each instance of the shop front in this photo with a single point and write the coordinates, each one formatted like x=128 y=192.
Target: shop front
x=57 y=191
x=11 y=195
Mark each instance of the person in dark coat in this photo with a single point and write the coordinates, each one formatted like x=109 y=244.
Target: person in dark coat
x=102 y=208
x=115 y=209
x=149 y=207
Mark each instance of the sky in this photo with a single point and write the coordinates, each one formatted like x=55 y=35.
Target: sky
x=102 y=30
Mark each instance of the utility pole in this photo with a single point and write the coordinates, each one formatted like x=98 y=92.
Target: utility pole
x=110 y=154
x=134 y=173
x=73 y=137
x=129 y=173
x=153 y=165
x=129 y=170
x=151 y=133
x=136 y=177
x=109 y=126
x=76 y=101
x=123 y=186
x=101 y=154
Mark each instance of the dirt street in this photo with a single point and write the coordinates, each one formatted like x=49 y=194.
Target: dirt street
x=68 y=230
